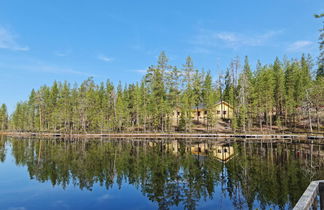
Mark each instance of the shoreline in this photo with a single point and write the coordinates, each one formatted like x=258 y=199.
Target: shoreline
x=290 y=136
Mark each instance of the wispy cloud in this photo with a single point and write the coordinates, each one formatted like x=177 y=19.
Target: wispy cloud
x=62 y=53
x=105 y=197
x=207 y=39
x=43 y=68
x=201 y=50
x=8 y=41
x=53 y=69
x=17 y=208
x=300 y=46
x=61 y=205
x=140 y=71
x=105 y=58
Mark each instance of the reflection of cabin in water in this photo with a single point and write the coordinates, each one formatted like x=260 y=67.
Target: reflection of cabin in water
x=221 y=110
x=220 y=152
x=223 y=153
x=174 y=146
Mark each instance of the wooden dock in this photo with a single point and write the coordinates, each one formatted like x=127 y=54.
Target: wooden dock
x=172 y=136
x=310 y=200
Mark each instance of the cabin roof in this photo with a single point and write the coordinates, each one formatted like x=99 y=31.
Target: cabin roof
x=224 y=102
x=225 y=160
x=202 y=106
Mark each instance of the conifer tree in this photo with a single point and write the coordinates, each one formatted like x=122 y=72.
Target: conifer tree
x=121 y=109
x=32 y=111
x=320 y=68
x=291 y=76
x=317 y=99
x=258 y=94
x=188 y=100
x=208 y=99
x=110 y=106
x=3 y=117
x=196 y=90
x=279 y=90
x=244 y=93
x=65 y=108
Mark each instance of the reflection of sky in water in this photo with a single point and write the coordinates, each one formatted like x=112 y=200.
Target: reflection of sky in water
x=30 y=194
x=19 y=192
x=22 y=193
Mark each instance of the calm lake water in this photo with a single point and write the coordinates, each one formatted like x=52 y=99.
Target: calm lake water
x=152 y=174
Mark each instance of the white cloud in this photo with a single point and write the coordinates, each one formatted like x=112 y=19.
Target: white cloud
x=17 y=208
x=8 y=41
x=53 y=69
x=140 y=71
x=62 y=53
x=207 y=39
x=228 y=37
x=43 y=68
x=105 y=197
x=61 y=205
x=105 y=58
x=300 y=46
x=201 y=50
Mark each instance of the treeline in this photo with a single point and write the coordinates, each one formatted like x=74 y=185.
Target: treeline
x=282 y=95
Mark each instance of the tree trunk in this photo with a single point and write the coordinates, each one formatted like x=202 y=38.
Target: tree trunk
x=310 y=120
x=318 y=119
x=270 y=120
x=260 y=121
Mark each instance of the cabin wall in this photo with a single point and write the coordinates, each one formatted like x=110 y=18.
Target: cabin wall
x=220 y=111
x=223 y=111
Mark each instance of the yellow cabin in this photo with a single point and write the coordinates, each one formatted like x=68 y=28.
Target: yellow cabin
x=221 y=110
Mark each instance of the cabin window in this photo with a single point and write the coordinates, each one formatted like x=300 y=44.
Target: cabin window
x=205 y=112
x=225 y=150
x=198 y=113
x=224 y=112
x=219 y=151
x=218 y=112
x=178 y=113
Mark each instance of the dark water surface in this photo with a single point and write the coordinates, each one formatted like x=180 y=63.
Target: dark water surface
x=145 y=174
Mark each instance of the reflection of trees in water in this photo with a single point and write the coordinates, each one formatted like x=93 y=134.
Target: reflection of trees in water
x=2 y=148
x=169 y=173
x=273 y=173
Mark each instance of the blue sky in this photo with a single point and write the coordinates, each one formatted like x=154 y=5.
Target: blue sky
x=42 y=41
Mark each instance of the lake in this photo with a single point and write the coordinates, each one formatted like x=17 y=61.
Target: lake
x=155 y=174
